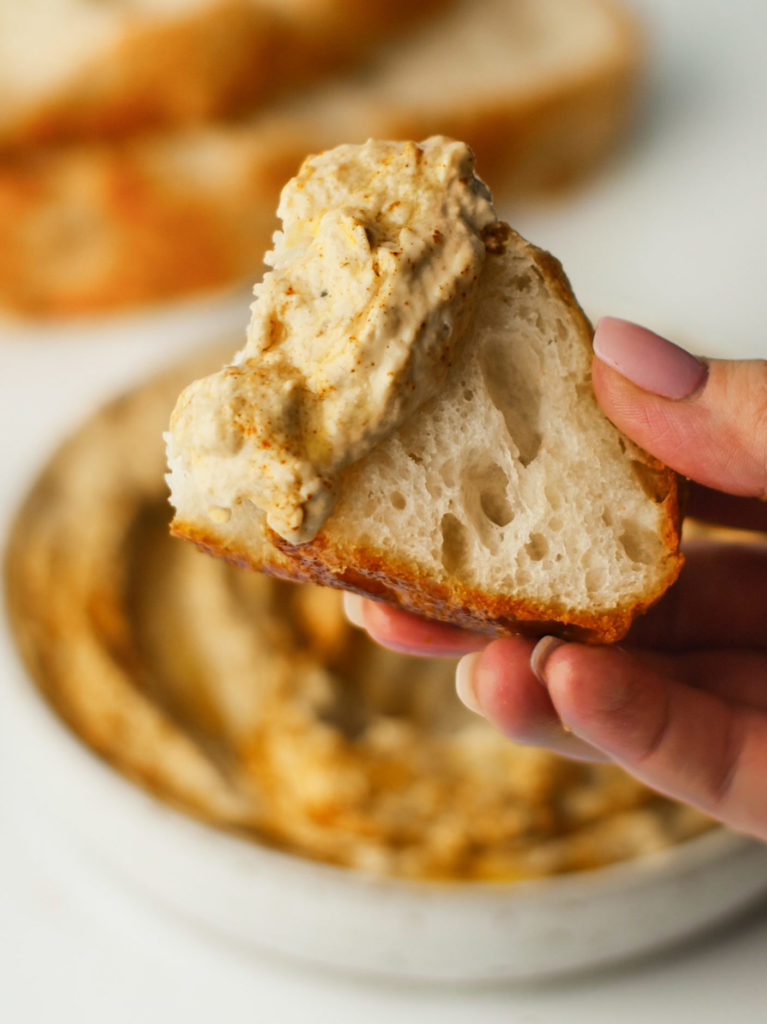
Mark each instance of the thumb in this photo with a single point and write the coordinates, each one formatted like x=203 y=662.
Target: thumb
x=705 y=419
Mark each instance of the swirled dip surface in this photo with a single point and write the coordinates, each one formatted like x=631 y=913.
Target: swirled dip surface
x=352 y=329
x=255 y=706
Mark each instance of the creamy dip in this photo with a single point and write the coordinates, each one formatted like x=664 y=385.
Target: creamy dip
x=352 y=329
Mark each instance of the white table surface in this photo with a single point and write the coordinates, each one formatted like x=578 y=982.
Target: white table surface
x=672 y=233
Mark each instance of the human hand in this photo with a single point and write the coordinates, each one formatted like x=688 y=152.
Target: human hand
x=682 y=703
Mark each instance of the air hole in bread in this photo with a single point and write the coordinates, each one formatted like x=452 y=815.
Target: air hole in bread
x=537 y=547
x=517 y=396
x=521 y=283
x=397 y=499
x=484 y=490
x=654 y=483
x=595 y=579
x=455 y=543
x=468 y=394
x=639 y=543
x=553 y=496
x=492 y=496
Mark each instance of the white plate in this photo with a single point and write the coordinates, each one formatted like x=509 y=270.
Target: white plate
x=334 y=917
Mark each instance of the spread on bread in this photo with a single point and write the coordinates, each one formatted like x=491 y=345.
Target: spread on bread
x=352 y=329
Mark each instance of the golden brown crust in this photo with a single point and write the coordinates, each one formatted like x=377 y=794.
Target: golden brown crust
x=403 y=586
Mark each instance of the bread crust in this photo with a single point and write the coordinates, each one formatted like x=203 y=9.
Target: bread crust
x=455 y=604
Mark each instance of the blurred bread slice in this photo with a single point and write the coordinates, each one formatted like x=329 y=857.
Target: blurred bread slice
x=506 y=504
x=75 y=69
x=540 y=89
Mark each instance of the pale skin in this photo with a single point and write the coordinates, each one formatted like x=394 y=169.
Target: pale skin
x=681 y=703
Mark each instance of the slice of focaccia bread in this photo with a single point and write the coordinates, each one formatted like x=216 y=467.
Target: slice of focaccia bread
x=503 y=501
x=540 y=89
x=74 y=69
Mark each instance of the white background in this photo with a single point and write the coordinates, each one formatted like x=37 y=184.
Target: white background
x=672 y=234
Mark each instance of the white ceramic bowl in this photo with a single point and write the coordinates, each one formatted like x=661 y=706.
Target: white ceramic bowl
x=343 y=919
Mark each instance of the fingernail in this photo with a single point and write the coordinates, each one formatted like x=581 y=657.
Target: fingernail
x=541 y=654
x=353 y=609
x=465 y=682
x=648 y=360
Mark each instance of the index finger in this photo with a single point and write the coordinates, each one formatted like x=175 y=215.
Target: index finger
x=411 y=634
x=721 y=509
x=718 y=601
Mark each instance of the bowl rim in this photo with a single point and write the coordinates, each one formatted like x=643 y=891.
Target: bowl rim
x=268 y=900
